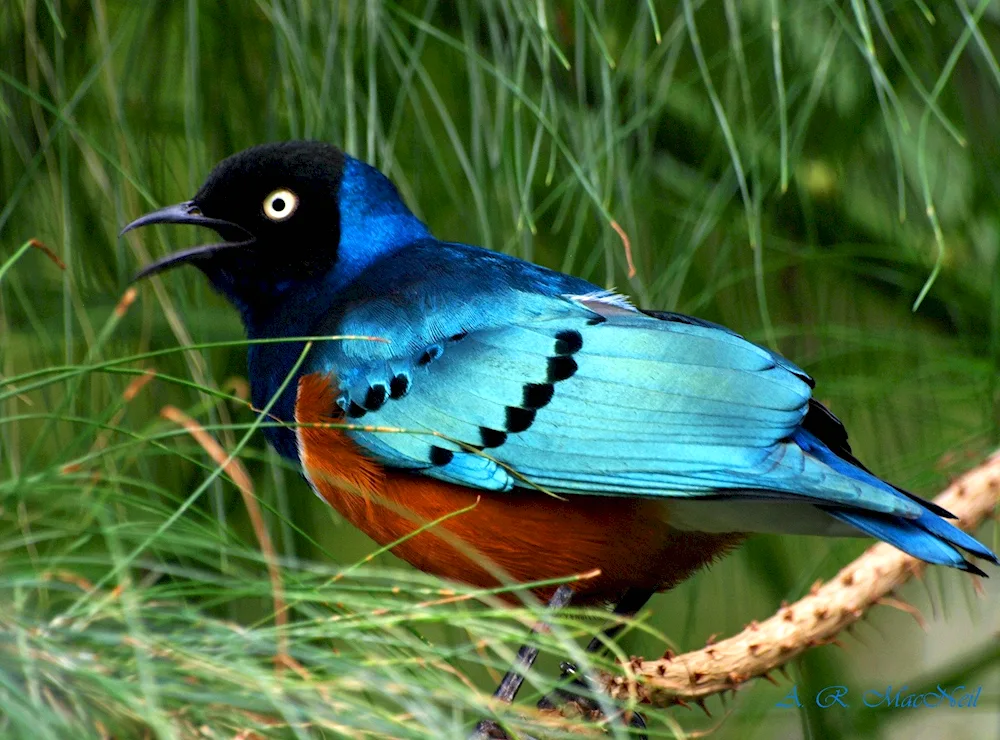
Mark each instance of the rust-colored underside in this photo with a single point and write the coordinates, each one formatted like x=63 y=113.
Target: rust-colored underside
x=526 y=534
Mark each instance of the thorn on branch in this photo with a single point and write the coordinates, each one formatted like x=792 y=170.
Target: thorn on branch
x=904 y=607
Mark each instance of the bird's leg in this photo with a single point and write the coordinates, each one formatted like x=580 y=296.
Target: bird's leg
x=512 y=681
x=630 y=604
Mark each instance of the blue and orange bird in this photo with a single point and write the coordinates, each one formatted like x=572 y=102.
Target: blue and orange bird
x=578 y=432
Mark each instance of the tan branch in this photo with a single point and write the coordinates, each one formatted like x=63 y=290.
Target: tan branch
x=816 y=619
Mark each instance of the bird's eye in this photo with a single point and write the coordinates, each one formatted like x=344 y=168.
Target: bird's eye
x=280 y=204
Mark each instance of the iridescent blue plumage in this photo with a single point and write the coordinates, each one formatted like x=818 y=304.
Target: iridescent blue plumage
x=502 y=374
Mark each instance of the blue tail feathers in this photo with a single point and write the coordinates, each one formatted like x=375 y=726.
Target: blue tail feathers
x=928 y=536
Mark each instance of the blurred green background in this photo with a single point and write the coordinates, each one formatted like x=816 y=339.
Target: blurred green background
x=821 y=176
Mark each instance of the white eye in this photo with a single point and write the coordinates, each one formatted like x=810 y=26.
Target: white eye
x=280 y=204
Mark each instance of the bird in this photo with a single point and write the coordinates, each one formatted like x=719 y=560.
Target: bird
x=547 y=427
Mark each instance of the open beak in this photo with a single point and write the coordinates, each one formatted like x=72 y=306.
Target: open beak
x=189 y=213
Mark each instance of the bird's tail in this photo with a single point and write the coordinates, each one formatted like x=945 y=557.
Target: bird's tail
x=928 y=536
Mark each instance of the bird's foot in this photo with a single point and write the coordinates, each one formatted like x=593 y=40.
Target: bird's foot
x=583 y=702
x=488 y=729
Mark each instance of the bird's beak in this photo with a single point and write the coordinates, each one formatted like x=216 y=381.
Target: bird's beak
x=189 y=213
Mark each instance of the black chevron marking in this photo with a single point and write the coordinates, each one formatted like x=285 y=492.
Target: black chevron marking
x=440 y=456
x=430 y=354
x=375 y=397
x=398 y=386
x=355 y=411
x=537 y=395
x=518 y=419
x=568 y=342
x=560 y=368
x=491 y=437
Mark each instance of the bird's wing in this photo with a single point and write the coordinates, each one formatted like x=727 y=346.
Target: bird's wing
x=589 y=395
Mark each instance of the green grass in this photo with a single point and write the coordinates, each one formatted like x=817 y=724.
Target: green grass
x=820 y=176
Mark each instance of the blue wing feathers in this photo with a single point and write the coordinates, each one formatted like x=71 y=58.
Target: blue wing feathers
x=586 y=395
x=633 y=360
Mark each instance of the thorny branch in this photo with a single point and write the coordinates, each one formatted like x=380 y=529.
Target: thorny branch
x=814 y=620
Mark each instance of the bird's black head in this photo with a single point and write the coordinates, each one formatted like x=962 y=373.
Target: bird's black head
x=290 y=214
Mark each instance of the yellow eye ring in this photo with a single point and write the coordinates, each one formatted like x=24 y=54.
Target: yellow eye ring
x=281 y=204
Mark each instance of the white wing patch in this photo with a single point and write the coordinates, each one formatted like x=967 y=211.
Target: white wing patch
x=604 y=302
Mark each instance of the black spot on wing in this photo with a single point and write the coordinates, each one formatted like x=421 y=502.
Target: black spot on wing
x=491 y=437
x=398 y=386
x=430 y=354
x=568 y=342
x=440 y=456
x=537 y=395
x=560 y=368
x=596 y=320
x=518 y=419
x=375 y=397
x=355 y=411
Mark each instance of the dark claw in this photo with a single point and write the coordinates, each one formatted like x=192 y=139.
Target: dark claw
x=488 y=729
x=567 y=695
x=638 y=722
x=587 y=707
x=568 y=669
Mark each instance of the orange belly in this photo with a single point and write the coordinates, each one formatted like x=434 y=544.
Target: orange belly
x=521 y=536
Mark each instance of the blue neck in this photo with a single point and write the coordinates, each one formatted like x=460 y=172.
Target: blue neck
x=374 y=222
